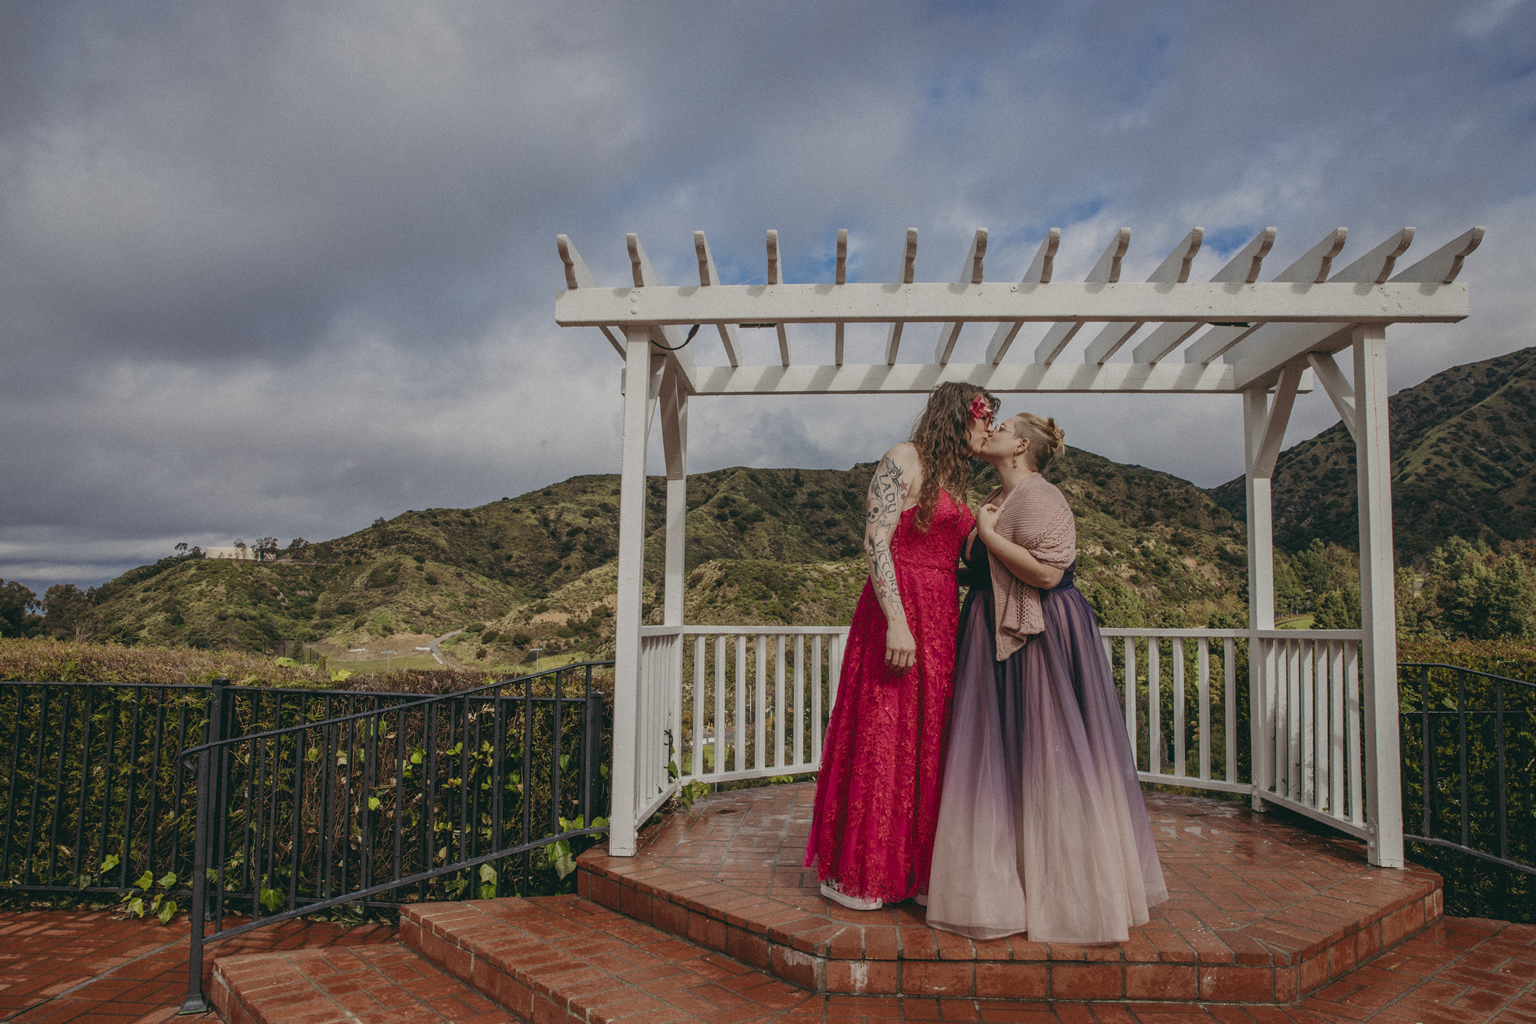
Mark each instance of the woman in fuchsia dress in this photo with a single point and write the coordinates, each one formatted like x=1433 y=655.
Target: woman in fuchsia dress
x=877 y=793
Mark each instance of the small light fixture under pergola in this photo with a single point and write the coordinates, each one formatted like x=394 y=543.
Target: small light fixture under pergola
x=1313 y=730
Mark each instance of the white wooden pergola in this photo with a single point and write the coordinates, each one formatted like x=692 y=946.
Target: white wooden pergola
x=1321 y=743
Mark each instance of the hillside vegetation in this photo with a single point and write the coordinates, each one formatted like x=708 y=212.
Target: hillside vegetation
x=770 y=546
x=765 y=546
x=1463 y=465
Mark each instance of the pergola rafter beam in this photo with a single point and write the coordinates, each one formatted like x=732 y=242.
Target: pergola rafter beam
x=578 y=276
x=668 y=338
x=1039 y=272
x=1173 y=270
x=776 y=276
x=908 y=271
x=841 y=278
x=1444 y=264
x=708 y=277
x=1276 y=344
x=971 y=272
x=1107 y=271
x=1241 y=269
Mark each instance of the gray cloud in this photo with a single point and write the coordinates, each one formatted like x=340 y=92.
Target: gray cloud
x=283 y=267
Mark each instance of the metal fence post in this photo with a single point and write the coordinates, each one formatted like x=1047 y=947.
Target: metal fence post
x=196 y=1001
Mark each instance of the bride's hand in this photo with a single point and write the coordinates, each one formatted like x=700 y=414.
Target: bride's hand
x=900 y=648
x=986 y=519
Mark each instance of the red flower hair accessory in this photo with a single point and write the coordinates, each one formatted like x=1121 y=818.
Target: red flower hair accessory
x=981 y=409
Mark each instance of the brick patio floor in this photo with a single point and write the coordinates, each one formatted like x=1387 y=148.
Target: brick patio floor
x=1229 y=870
x=60 y=966
x=64 y=965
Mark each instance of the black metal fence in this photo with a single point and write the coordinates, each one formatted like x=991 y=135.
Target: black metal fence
x=94 y=774
x=427 y=798
x=1469 y=782
x=265 y=804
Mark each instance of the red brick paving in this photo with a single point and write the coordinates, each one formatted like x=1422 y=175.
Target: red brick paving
x=1259 y=910
x=561 y=960
x=692 y=952
x=363 y=984
x=61 y=965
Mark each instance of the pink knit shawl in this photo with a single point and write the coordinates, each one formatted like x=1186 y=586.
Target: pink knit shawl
x=1037 y=517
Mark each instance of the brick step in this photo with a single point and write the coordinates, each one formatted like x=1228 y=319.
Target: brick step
x=559 y=958
x=385 y=984
x=1259 y=912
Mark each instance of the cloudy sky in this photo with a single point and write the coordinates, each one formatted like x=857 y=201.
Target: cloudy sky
x=281 y=268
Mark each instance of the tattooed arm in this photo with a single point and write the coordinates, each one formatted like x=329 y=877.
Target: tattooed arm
x=897 y=477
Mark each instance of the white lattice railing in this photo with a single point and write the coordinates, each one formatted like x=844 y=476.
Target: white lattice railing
x=718 y=703
x=1182 y=711
x=1183 y=714
x=747 y=701
x=1309 y=754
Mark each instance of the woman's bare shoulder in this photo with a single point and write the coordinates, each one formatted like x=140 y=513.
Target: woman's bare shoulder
x=904 y=455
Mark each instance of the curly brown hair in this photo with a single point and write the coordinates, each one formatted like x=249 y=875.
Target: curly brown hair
x=939 y=437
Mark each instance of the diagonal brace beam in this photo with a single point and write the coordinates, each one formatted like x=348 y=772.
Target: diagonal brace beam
x=1339 y=390
x=1266 y=444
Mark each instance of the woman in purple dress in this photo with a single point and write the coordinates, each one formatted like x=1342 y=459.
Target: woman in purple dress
x=1042 y=828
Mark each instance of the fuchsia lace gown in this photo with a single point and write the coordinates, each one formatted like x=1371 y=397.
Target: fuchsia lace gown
x=877 y=794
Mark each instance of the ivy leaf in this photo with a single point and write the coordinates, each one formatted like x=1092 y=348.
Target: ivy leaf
x=167 y=911
x=146 y=881
x=167 y=880
x=374 y=803
x=110 y=863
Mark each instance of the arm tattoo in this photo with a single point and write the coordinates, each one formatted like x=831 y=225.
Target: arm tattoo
x=887 y=490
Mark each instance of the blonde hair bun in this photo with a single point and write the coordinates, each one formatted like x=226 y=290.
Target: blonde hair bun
x=1048 y=438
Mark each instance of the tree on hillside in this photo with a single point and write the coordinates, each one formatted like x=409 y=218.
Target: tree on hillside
x=1491 y=602
x=266 y=549
x=1323 y=568
x=1291 y=597
x=16 y=609
x=64 y=610
x=1338 y=609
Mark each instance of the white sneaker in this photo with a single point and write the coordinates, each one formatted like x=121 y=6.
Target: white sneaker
x=836 y=895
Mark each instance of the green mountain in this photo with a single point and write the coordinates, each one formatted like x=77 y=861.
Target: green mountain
x=1463 y=456
x=764 y=546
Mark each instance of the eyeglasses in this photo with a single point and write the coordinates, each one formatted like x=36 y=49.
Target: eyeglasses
x=1017 y=436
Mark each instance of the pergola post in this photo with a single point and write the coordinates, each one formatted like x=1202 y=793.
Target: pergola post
x=674 y=443
x=1378 y=611
x=1261 y=596
x=642 y=377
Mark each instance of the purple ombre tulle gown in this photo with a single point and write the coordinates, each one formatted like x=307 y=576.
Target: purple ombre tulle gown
x=1042 y=828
